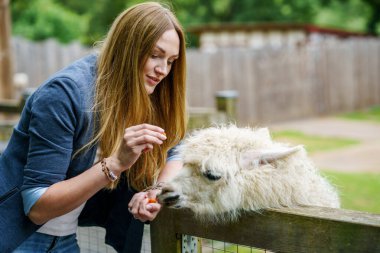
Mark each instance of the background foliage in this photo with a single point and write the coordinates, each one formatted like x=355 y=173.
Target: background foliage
x=89 y=20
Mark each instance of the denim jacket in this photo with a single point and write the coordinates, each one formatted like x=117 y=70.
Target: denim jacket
x=55 y=122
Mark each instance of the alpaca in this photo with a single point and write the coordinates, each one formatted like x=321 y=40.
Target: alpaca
x=228 y=170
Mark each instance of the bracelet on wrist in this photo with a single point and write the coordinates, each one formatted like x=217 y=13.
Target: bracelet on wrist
x=110 y=175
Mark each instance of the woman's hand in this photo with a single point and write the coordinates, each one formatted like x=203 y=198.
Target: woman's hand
x=143 y=206
x=136 y=140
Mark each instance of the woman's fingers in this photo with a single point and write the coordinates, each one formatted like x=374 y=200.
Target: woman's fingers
x=144 y=139
x=139 y=139
x=138 y=136
x=133 y=205
x=153 y=209
x=146 y=126
x=141 y=209
x=131 y=135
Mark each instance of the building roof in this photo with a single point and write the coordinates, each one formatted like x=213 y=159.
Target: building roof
x=267 y=27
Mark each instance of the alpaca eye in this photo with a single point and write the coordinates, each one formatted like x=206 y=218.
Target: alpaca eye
x=211 y=176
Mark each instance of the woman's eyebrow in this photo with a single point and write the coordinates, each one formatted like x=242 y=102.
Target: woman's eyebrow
x=161 y=49
x=164 y=52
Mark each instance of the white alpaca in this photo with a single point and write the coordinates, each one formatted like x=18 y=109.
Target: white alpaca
x=229 y=169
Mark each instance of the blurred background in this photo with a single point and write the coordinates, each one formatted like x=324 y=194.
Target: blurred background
x=287 y=59
x=307 y=69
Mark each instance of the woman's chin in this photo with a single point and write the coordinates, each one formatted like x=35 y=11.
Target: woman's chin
x=149 y=88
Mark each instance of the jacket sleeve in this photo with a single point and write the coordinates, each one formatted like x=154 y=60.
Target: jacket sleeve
x=30 y=197
x=54 y=112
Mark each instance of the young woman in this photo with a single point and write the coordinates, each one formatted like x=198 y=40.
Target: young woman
x=127 y=105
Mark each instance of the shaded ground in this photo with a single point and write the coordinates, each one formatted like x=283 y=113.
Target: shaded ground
x=364 y=157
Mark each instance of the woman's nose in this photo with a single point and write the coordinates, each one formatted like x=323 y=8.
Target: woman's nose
x=162 y=70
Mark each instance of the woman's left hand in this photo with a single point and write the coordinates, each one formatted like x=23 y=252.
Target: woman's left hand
x=143 y=206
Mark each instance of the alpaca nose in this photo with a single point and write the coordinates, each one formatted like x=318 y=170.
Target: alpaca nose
x=166 y=189
x=168 y=196
x=171 y=200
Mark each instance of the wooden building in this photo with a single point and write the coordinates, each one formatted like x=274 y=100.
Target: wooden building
x=257 y=36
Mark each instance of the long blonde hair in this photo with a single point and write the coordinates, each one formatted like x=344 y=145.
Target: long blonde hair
x=120 y=98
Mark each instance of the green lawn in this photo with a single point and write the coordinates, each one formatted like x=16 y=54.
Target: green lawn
x=313 y=143
x=358 y=191
x=370 y=114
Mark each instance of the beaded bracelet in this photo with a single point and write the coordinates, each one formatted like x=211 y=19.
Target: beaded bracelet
x=110 y=175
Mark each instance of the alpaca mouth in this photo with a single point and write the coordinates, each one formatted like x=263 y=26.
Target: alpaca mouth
x=169 y=200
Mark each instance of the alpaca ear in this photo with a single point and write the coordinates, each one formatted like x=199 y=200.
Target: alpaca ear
x=265 y=156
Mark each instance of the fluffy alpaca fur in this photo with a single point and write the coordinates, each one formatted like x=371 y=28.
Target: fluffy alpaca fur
x=228 y=170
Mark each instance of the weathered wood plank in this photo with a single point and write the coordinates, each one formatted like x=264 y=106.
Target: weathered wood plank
x=164 y=238
x=285 y=230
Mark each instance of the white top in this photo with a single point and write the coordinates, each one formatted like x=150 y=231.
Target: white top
x=66 y=224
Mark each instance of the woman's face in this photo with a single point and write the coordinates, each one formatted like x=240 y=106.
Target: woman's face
x=161 y=59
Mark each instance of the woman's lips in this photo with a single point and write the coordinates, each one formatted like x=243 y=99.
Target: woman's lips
x=153 y=80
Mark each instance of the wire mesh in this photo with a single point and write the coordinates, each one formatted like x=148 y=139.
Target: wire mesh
x=212 y=246
x=91 y=240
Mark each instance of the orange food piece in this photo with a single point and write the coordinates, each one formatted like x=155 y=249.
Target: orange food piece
x=152 y=201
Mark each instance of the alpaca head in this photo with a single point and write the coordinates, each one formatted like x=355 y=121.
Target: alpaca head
x=229 y=169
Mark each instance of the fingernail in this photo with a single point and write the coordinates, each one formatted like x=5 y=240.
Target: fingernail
x=149 y=207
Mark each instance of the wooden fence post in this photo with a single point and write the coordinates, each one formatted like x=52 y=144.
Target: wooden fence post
x=5 y=51
x=164 y=238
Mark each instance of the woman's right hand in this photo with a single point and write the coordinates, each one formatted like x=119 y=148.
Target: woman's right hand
x=136 y=140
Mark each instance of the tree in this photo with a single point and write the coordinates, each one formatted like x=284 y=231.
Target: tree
x=374 y=20
x=101 y=16
x=199 y=11
x=89 y=20
x=42 y=19
x=369 y=10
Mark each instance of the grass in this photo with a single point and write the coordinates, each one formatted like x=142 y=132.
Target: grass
x=313 y=143
x=358 y=191
x=370 y=114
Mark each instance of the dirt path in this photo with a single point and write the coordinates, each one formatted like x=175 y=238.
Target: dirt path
x=364 y=157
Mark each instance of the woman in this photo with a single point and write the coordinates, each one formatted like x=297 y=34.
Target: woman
x=127 y=104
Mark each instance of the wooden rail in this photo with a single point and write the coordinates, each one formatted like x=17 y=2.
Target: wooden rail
x=15 y=106
x=11 y=106
x=298 y=230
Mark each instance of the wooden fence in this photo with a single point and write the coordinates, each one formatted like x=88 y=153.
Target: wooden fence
x=273 y=84
x=301 y=230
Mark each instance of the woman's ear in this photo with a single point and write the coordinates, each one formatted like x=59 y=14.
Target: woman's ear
x=264 y=156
